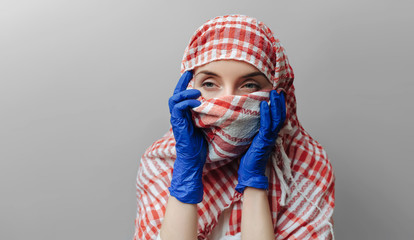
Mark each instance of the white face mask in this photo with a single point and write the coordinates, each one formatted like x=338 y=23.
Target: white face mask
x=229 y=124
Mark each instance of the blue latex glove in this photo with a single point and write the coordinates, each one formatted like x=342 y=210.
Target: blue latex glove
x=253 y=163
x=186 y=182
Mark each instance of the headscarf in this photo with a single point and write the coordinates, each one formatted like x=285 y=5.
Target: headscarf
x=301 y=178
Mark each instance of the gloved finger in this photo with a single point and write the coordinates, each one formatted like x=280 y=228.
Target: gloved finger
x=181 y=109
x=183 y=82
x=275 y=109
x=184 y=95
x=281 y=106
x=265 y=119
x=283 y=102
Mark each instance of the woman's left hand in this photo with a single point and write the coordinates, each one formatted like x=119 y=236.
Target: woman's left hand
x=253 y=163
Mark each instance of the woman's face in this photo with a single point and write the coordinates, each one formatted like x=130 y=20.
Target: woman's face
x=229 y=77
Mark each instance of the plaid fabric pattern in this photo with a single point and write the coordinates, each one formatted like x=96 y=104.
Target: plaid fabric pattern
x=229 y=124
x=308 y=210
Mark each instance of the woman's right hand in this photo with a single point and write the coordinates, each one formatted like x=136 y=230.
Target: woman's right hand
x=191 y=149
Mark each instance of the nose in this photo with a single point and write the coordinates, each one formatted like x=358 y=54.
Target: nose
x=228 y=91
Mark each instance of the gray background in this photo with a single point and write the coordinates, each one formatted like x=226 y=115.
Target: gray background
x=84 y=91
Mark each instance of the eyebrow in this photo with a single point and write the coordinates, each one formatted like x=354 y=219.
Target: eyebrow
x=253 y=74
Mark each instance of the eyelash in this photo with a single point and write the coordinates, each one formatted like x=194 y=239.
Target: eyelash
x=256 y=86
x=205 y=83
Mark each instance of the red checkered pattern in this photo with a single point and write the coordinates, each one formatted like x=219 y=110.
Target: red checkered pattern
x=307 y=211
x=229 y=124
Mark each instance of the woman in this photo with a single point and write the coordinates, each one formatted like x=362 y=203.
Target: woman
x=236 y=161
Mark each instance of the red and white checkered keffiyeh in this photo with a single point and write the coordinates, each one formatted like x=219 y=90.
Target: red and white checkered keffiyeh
x=229 y=124
x=301 y=178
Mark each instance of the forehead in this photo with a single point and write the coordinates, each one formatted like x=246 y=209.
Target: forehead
x=227 y=66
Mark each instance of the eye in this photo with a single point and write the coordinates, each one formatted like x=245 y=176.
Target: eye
x=252 y=86
x=208 y=84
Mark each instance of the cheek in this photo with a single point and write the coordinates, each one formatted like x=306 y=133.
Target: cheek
x=204 y=93
x=207 y=94
x=268 y=86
